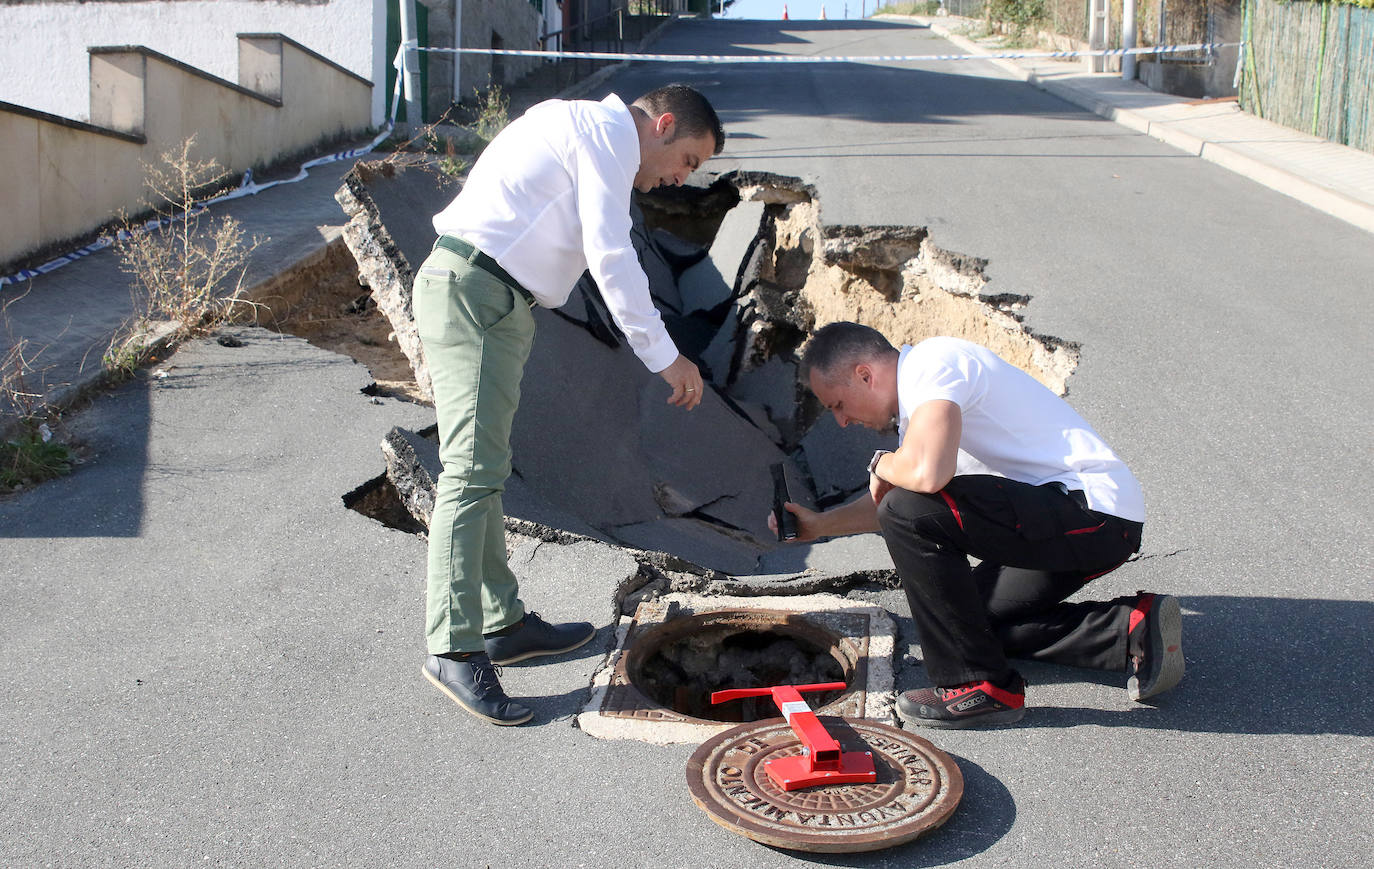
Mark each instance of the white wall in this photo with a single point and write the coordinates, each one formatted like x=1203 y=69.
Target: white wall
x=44 y=64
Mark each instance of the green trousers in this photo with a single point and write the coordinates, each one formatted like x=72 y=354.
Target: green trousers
x=476 y=332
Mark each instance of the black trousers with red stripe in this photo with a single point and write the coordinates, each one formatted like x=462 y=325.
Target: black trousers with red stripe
x=1037 y=545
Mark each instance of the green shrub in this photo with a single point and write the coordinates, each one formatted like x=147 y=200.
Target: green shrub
x=1020 y=14
x=911 y=7
x=33 y=455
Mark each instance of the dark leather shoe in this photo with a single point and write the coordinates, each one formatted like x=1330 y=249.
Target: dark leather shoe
x=472 y=684
x=535 y=637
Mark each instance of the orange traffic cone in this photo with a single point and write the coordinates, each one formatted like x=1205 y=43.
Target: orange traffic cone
x=784 y=12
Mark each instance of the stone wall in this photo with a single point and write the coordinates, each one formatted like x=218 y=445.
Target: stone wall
x=513 y=24
x=68 y=178
x=44 y=65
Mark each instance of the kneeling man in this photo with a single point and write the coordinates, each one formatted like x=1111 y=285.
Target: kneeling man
x=990 y=464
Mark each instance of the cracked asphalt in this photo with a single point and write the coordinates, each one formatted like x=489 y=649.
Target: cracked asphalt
x=210 y=660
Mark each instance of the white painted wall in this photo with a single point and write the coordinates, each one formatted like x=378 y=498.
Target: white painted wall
x=44 y=64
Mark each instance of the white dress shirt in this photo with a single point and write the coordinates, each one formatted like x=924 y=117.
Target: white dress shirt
x=550 y=198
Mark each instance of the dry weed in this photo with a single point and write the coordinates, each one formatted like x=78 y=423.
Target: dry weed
x=186 y=270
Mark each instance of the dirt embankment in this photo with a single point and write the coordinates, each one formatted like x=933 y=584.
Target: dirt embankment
x=322 y=302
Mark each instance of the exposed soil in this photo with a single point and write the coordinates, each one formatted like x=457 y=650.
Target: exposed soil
x=904 y=286
x=908 y=289
x=321 y=301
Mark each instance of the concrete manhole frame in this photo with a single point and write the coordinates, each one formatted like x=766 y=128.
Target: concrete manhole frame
x=618 y=710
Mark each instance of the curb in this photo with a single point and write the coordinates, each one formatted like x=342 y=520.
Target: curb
x=1354 y=210
x=155 y=339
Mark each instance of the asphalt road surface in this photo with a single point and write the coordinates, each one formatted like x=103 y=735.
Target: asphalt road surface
x=210 y=661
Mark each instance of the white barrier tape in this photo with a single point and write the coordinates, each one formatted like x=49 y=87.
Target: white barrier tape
x=247 y=187
x=803 y=58
x=29 y=274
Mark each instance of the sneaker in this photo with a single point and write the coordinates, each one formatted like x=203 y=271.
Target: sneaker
x=472 y=684
x=973 y=704
x=1154 y=640
x=532 y=637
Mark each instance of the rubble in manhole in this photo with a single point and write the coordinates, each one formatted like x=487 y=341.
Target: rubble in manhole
x=597 y=451
x=682 y=674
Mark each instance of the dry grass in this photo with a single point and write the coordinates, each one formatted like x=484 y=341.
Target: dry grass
x=186 y=268
x=31 y=455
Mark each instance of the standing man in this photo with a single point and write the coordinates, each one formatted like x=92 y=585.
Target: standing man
x=548 y=199
x=990 y=464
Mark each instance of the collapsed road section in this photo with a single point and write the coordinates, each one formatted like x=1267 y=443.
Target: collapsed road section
x=743 y=271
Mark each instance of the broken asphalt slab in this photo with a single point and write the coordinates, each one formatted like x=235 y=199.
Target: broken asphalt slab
x=595 y=445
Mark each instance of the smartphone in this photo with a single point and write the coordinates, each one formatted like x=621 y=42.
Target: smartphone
x=787 y=523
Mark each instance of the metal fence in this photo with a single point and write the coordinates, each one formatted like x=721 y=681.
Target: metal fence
x=965 y=8
x=1158 y=22
x=1310 y=66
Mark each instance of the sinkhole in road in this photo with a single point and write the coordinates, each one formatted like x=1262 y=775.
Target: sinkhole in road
x=743 y=270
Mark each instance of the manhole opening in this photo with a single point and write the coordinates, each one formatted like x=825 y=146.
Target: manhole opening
x=679 y=664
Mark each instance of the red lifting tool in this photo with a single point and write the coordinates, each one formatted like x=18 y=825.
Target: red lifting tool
x=821 y=761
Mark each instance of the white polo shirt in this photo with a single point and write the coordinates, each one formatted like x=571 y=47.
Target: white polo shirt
x=1014 y=426
x=550 y=198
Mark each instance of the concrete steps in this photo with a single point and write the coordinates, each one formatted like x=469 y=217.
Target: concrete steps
x=68 y=178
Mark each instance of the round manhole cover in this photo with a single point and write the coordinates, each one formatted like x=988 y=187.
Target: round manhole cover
x=917 y=789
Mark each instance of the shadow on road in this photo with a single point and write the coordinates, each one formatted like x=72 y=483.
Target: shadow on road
x=879 y=92
x=103 y=496
x=985 y=814
x=1256 y=665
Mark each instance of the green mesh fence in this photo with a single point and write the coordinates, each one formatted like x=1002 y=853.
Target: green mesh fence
x=1066 y=17
x=1310 y=66
x=966 y=8
x=1184 y=22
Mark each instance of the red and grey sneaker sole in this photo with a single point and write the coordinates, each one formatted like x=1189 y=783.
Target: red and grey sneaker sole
x=1162 y=668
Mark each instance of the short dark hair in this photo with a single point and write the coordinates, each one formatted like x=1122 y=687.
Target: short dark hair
x=838 y=347
x=692 y=114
